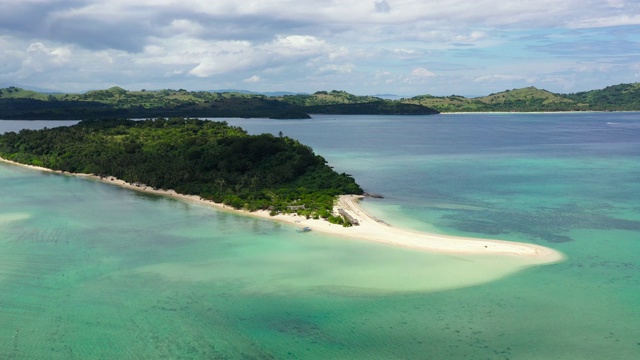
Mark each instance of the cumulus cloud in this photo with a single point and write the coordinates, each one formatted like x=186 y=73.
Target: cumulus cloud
x=205 y=58
x=57 y=56
x=220 y=57
x=227 y=56
x=296 y=45
x=127 y=25
x=194 y=41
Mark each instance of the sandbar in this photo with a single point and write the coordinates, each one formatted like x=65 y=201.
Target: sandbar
x=369 y=228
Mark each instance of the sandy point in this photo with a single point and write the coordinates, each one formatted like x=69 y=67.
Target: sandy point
x=369 y=228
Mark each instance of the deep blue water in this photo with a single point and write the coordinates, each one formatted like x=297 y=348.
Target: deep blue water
x=535 y=176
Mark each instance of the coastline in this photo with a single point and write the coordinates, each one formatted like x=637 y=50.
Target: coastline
x=369 y=228
x=528 y=112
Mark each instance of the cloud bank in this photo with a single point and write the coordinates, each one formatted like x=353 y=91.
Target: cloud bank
x=362 y=46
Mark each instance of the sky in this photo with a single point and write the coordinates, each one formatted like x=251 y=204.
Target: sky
x=365 y=47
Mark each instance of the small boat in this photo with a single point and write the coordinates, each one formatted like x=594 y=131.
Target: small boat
x=304 y=229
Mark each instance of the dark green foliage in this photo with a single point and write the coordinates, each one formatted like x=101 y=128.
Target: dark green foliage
x=117 y=102
x=382 y=107
x=617 y=97
x=22 y=104
x=210 y=159
x=341 y=102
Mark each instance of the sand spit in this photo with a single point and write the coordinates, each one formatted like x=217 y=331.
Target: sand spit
x=369 y=228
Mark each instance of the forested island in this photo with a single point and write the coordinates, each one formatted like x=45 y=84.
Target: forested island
x=17 y=103
x=208 y=159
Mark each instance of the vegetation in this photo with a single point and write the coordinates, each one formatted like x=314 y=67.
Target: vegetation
x=205 y=158
x=340 y=102
x=612 y=98
x=16 y=103
x=617 y=97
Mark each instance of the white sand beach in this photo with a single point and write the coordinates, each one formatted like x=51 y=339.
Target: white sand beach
x=369 y=228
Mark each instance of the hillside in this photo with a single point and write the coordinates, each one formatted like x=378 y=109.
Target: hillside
x=612 y=98
x=616 y=97
x=13 y=92
x=341 y=102
x=16 y=103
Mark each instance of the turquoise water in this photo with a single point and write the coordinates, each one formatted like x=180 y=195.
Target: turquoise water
x=89 y=270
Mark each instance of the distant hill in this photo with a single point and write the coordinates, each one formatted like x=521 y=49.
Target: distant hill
x=388 y=96
x=13 y=92
x=265 y=93
x=17 y=103
x=341 y=102
x=616 y=97
x=333 y=97
x=612 y=98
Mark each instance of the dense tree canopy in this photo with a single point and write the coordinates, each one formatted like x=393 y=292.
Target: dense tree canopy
x=206 y=158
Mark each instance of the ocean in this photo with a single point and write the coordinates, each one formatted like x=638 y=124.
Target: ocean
x=90 y=270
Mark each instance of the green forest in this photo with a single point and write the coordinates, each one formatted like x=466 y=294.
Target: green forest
x=209 y=159
x=116 y=102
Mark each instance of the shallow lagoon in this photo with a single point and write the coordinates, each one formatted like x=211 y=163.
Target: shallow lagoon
x=89 y=270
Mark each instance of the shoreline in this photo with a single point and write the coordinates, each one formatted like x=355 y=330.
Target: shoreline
x=369 y=228
x=530 y=112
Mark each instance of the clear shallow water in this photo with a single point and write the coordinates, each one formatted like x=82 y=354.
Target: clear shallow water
x=89 y=270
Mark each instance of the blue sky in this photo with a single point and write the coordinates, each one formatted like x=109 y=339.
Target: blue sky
x=401 y=47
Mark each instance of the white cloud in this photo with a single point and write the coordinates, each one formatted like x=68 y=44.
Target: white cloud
x=211 y=57
x=39 y=58
x=343 y=68
x=405 y=51
x=296 y=45
x=474 y=36
x=610 y=21
x=56 y=56
x=422 y=73
x=316 y=43
x=185 y=26
x=501 y=77
x=253 y=79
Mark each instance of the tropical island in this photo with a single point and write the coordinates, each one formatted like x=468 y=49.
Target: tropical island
x=208 y=159
x=216 y=164
x=116 y=102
